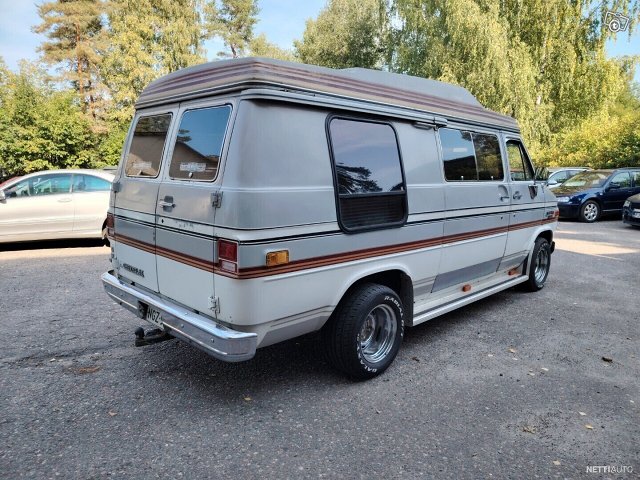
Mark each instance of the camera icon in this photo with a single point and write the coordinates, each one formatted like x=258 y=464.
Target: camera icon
x=616 y=22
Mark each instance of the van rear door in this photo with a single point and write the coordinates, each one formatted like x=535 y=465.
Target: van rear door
x=136 y=195
x=187 y=204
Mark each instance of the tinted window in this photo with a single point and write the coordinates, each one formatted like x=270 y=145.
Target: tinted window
x=488 y=157
x=147 y=146
x=470 y=156
x=519 y=164
x=89 y=183
x=50 y=184
x=199 y=144
x=636 y=178
x=623 y=179
x=371 y=189
x=366 y=157
x=458 y=155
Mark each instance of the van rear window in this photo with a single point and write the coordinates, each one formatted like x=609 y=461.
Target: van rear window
x=196 y=155
x=147 y=145
x=369 y=178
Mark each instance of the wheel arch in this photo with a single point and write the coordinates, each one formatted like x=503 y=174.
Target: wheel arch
x=396 y=278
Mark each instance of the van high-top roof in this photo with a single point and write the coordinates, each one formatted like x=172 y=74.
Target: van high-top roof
x=376 y=86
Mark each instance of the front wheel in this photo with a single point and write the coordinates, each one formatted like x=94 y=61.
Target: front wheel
x=590 y=212
x=364 y=334
x=540 y=265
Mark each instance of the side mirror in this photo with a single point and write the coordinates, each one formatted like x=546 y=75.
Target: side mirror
x=3 y=197
x=552 y=182
x=614 y=186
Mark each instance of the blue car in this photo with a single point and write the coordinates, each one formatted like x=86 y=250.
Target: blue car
x=590 y=194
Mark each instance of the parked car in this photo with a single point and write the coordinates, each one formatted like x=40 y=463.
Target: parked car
x=259 y=200
x=55 y=204
x=631 y=210
x=557 y=176
x=592 y=193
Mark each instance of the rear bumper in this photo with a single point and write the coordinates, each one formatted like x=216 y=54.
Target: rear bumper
x=202 y=332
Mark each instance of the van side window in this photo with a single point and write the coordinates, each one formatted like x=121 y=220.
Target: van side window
x=196 y=154
x=519 y=163
x=369 y=178
x=457 y=153
x=488 y=157
x=147 y=145
x=470 y=156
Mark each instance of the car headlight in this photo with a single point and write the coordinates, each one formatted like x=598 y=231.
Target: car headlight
x=627 y=203
x=563 y=199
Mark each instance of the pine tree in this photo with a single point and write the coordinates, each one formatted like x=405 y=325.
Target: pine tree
x=148 y=39
x=76 y=39
x=233 y=21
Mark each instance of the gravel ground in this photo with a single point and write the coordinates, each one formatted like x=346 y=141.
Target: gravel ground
x=514 y=386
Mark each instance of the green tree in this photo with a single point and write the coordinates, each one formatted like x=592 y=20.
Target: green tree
x=233 y=22
x=608 y=139
x=76 y=38
x=148 y=39
x=346 y=33
x=542 y=62
x=42 y=127
x=260 y=46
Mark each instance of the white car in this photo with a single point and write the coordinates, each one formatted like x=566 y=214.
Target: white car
x=55 y=204
x=557 y=176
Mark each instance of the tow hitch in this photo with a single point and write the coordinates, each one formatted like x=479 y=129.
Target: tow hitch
x=150 y=337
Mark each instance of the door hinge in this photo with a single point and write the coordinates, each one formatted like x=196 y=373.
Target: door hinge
x=214 y=304
x=216 y=199
x=116 y=186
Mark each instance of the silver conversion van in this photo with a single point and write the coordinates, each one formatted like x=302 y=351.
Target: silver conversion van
x=259 y=200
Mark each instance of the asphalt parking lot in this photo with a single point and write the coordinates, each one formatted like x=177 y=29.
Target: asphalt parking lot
x=519 y=385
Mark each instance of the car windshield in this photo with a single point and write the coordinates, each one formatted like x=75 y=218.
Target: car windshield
x=587 y=179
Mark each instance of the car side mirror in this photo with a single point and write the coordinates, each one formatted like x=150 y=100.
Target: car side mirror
x=552 y=182
x=3 y=197
x=614 y=186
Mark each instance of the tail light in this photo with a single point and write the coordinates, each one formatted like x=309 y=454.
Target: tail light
x=111 y=229
x=228 y=255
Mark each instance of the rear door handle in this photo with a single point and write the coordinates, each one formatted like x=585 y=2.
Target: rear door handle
x=504 y=197
x=167 y=202
x=64 y=200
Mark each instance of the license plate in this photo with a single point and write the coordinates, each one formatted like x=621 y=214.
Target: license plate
x=154 y=316
x=635 y=214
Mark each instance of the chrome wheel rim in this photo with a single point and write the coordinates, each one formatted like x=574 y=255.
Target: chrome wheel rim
x=542 y=265
x=590 y=211
x=377 y=334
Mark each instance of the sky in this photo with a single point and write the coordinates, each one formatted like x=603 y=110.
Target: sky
x=282 y=21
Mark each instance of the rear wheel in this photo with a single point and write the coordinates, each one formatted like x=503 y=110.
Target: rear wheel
x=539 y=265
x=590 y=211
x=364 y=334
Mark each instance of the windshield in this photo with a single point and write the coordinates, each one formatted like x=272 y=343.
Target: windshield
x=587 y=180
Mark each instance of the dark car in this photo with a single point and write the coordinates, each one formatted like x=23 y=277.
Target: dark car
x=631 y=210
x=593 y=193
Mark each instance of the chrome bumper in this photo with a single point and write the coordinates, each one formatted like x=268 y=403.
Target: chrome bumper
x=215 y=339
